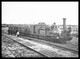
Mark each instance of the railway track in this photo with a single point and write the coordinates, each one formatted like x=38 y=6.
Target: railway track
x=60 y=46
x=69 y=47
x=43 y=52
x=9 y=51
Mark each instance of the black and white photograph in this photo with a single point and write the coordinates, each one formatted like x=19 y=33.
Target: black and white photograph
x=41 y=29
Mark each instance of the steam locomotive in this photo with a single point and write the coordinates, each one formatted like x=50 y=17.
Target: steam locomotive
x=35 y=32
x=42 y=31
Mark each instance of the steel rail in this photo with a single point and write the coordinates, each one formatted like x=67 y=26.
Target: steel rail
x=50 y=43
x=27 y=47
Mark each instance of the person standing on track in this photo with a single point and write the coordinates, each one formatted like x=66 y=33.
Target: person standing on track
x=17 y=34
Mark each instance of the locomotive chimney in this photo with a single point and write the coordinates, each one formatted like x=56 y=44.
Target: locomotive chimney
x=54 y=25
x=64 y=24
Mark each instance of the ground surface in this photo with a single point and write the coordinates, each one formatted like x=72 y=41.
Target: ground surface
x=12 y=49
x=49 y=51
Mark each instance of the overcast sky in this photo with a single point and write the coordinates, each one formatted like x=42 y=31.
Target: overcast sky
x=34 y=12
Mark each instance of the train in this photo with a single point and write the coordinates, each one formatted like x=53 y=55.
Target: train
x=12 y=30
x=41 y=32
